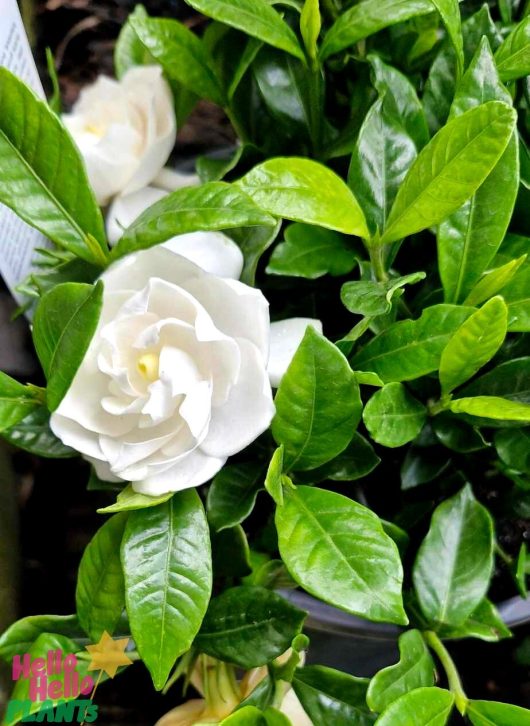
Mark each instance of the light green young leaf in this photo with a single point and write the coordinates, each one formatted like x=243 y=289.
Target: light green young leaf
x=128 y=500
x=249 y=626
x=401 y=100
x=254 y=17
x=311 y=252
x=429 y=706
x=304 y=191
x=375 y=298
x=513 y=57
x=369 y=17
x=20 y=636
x=450 y=169
x=331 y=697
x=410 y=349
x=414 y=670
x=212 y=206
x=246 y=716
x=129 y=50
x=43 y=176
x=310 y=24
x=470 y=237
x=308 y=422
x=167 y=566
x=393 y=416
x=232 y=494
x=492 y=407
x=474 y=344
x=166 y=39
x=273 y=480
x=16 y=401
x=454 y=563
x=100 y=592
x=494 y=281
x=64 y=323
x=492 y=713
x=450 y=14
x=336 y=549
x=484 y=623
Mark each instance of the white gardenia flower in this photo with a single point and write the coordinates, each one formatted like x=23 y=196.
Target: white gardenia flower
x=175 y=378
x=124 y=129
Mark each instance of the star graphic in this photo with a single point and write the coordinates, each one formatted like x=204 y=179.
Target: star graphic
x=108 y=655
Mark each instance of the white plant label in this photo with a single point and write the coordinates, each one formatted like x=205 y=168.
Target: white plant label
x=17 y=240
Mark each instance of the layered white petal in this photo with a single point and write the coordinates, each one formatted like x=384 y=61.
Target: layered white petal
x=285 y=337
x=192 y=471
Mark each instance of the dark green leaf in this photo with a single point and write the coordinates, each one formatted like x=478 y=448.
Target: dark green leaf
x=16 y=401
x=457 y=435
x=509 y=380
x=355 y=462
x=305 y=191
x=337 y=550
x=393 y=416
x=513 y=447
x=43 y=177
x=450 y=14
x=65 y=321
x=421 y=707
x=100 y=593
x=311 y=252
x=455 y=560
x=253 y=242
x=168 y=578
x=318 y=405
x=484 y=623
x=212 y=206
x=249 y=626
x=414 y=670
x=233 y=492
x=34 y=434
x=230 y=553
x=411 y=348
x=332 y=698
x=20 y=636
x=513 y=57
x=450 y=169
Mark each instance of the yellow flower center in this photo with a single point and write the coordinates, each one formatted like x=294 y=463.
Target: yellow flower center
x=148 y=366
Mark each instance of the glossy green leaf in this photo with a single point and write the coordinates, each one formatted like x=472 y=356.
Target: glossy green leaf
x=129 y=50
x=414 y=670
x=519 y=573
x=247 y=716
x=337 y=550
x=454 y=564
x=43 y=177
x=484 y=623
x=474 y=344
x=65 y=321
x=515 y=292
x=381 y=158
x=369 y=17
x=450 y=14
x=375 y=298
x=304 y=191
x=311 y=252
x=128 y=500
x=20 y=636
x=494 y=281
x=212 y=206
x=310 y=24
x=422 y=465
x=230 y=553
x=232 y=494
x=470 y=237
x=254 y=17
x=411 y=348
x=249 y=626
x=168 y=578
x=33 y=434
x=273 y=480
x=421 y=707
x=513 y=447
x=450 y=169
x=318 y=405
x=456 y=434
x=509 y=380
x=355 y=462
x=166 y=39
x=16 y=401
x=401 y=100
x=332 y=698
x=492 y=713
x=393 y=416
x=100 y=592
x=513 y=57
x=253 y=242
x=492 y=407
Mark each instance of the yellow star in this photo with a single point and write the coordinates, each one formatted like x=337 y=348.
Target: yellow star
x=108 y=655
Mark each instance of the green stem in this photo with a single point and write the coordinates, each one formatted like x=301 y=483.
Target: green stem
x=437 y=407
x=377 y=259
x=505 y=557
x=453 y=678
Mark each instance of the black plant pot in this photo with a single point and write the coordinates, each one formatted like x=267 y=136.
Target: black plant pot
x=359 y=647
